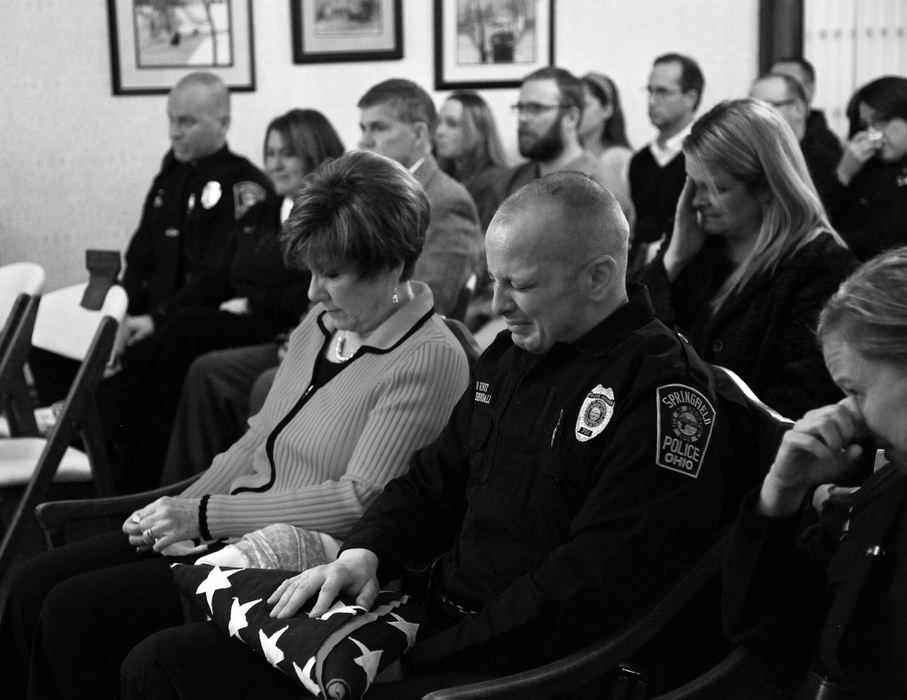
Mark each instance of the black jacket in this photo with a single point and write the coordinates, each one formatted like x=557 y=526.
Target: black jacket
x=837 y=583
x=871 y=213
x=766 y=332
x=188 y=214
x=250 y=264
x=565 y=491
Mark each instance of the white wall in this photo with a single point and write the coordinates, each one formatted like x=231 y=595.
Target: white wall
x=77 y=160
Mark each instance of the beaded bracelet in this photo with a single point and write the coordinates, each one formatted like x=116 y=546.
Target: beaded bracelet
x=203 y=518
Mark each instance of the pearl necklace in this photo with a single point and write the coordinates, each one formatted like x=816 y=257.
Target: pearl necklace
x=338 y=351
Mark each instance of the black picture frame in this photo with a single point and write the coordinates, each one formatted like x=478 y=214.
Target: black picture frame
x=375 y=33
x=510 y=62
x=152 y=48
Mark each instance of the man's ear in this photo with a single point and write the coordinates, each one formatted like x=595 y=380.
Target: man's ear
x=601 y=273
x=573 y=115
x=692 y=96
x=423 y=133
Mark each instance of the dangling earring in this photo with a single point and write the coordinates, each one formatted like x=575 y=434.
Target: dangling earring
x=395 y=299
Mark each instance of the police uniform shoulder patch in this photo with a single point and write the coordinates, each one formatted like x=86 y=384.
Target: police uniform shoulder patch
x=595 y=413
x=246 y=194
x=686 y=419
x=211 y=194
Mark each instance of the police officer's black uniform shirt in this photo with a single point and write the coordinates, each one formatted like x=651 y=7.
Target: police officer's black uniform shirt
x=187 y=216
x=566 y=490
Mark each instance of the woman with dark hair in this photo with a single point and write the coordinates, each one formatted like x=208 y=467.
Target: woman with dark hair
x=371 y=375
x=469 y=149
x=752 y=256
x=245 y=297
x=827 y=587
x=870 y=206
x=603 y=134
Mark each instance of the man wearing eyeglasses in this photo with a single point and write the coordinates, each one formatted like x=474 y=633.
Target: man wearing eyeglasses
x=657 y=171
x=549 y=111
x=821 y=148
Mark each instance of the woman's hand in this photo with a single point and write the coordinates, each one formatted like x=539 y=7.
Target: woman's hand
x=354 y=573
x=863 y=146
x=817 y=450
x=688 y=237
x=238 y=306
x=163 y=522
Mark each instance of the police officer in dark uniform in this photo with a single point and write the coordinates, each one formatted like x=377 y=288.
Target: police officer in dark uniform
x=575 y=478
x=200 y=192
x=194 y=201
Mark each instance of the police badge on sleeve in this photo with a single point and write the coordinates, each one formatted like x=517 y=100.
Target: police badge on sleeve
x=685 y=422
x=595 y=413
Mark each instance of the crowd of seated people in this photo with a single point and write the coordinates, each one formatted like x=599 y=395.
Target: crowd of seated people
x=330 y=433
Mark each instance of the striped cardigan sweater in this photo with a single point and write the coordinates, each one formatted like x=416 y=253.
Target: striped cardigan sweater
x=351 y=436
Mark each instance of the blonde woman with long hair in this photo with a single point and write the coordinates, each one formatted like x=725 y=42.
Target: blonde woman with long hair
x=752 y=256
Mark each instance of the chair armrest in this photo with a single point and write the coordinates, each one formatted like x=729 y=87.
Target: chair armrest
x=54 y=516
x=595 y=660
x=719 y=681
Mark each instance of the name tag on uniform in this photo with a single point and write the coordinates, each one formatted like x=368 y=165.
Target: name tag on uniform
x=172 y=233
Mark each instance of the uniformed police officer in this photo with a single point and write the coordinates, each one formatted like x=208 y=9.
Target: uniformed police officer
x=201 y=190
x=575 y=478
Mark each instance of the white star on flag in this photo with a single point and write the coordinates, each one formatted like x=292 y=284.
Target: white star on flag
x=238 y=619
x=305 y=676
x=341 y=608
x=369 y=660
x=408 y=628
x=269 y=647
x=216 y=580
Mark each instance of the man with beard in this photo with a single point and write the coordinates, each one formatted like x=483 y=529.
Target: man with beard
x=657 y=171
x=549 y=111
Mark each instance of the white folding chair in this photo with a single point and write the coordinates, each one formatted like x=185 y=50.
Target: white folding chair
x=20 y=290
x=62 y=326
x=15 y=279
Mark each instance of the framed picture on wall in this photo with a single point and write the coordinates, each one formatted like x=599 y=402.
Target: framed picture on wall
x=328 y=31
x=491 y=43
x=154 y=43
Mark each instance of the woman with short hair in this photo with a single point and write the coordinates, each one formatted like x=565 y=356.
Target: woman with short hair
x=370 y=376
x=828 y=586
x=752 y=256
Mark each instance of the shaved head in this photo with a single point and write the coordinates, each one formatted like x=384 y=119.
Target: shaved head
x=591 y=222
x=198 y=109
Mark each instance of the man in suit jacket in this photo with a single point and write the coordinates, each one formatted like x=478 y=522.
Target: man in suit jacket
x=397 y=120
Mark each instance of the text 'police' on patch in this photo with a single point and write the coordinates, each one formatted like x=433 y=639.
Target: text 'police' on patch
x=685 y=422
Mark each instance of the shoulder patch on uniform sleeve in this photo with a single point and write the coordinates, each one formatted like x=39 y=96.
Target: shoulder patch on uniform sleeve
x=595 y=413
x=246 y=194
x=686 y=418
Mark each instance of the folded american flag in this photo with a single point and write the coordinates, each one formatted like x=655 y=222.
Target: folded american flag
x=336 y=655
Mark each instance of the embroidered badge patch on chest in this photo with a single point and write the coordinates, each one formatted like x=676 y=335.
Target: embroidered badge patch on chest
x=685 y=422
x=595 y=413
